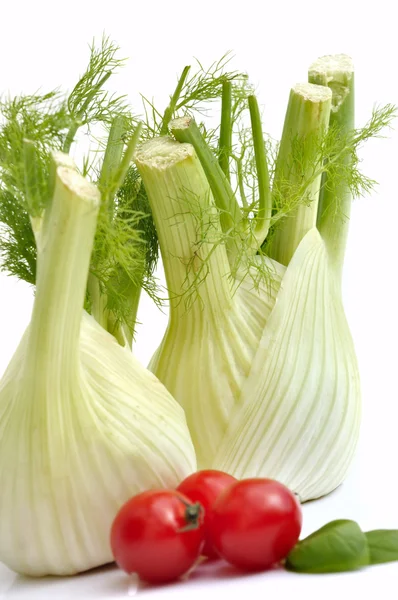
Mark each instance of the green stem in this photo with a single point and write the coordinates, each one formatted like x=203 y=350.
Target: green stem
x=110 y=166
x=124 y=331
x=77 y=121
x=118 y=330
x=124 y=165
x=134 y=304
x=32 y=184
x=32 y=195
x=334 y=210
x=116 y=163
x=62 y=271
x=263 y=217
x=188 y=225
x=113 y=173
x=170 y=110
x=98 y=300
x=306 y=122
x=225 y=141
x=135 y=299
x=112 y=159
x=186 y=130
x=240 y=177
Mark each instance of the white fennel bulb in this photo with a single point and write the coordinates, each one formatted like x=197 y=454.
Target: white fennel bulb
x=210 y=341
x=264 y=367
x=268 y=380
x=83 y=426
x=300 y=406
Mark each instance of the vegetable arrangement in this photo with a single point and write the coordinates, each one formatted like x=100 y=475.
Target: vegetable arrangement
x=256 y=376
x=258 y=350
x=254 y=524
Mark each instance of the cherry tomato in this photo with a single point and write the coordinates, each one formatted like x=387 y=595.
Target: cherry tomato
x=205 y=487
x=158 y=534
x=255 y=523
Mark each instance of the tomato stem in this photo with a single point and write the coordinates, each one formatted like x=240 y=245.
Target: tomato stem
x=194 y=514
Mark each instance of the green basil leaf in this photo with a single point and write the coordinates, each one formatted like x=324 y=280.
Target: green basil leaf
x=338 y=546
x=383 y=545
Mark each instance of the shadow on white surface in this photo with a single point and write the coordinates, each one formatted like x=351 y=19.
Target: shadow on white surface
x=109 y=582
x=105 y=582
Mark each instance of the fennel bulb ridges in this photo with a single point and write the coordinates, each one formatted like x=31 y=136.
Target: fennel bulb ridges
x=300 y=414
x=209 y=345
x=83 y=426
x=268 y=378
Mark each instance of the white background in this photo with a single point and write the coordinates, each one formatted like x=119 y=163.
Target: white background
x=44 y=44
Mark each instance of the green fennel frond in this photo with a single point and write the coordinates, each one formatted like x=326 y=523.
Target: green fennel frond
x=342 y=159
x=333 y=155
x=125 y=247
x=41 y=120
x=126 y=251
x=195 y=94
x=205 y=85
x=41 y=124
x=17 y=242
x=117 y=261
x=32 y=127
x=310 y=157
x=89 y=102
x=132 y=196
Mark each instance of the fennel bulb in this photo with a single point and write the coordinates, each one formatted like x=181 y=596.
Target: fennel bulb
x=83 y=426
x=257 y=349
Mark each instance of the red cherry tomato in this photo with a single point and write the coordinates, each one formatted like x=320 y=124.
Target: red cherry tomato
x=158 y=534
x=205 y=487
x=255 y=523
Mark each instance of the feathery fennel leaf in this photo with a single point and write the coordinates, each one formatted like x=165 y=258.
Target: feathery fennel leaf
x=89 y=102
x=195 y=94
x=336 y=148
x=32 y=127
x=132 y=196
x=41 y=119
x=17 y=242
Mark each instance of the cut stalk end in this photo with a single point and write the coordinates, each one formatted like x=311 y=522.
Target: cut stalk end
x=309 y=92
x=296 y=183
x=185 y=129
x=337 y=73
x=187 y=222
x=80 y=190
x=163 y=152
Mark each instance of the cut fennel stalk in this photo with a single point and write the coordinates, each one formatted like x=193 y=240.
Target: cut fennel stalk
x=83 y=426
x=267 y=374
